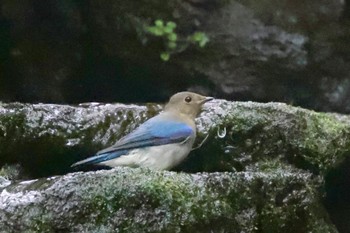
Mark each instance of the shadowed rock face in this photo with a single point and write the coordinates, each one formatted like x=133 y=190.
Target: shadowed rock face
x=76 y=51
x=48 y=138
x=273 y=160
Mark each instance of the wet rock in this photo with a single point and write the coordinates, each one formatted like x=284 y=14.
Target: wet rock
x=242 y=136
x=248 y=136
x=12 y=172
x=276 y=155
x=135 y=200
x=47 y=138
x=4 y=182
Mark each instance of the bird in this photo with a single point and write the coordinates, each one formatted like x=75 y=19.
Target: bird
x=160 y=143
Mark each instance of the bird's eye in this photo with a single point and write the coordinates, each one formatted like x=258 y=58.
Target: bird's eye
x=188 y=99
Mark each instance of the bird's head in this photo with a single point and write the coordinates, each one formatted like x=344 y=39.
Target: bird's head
x=187 y=103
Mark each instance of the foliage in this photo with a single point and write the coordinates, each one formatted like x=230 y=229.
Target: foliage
x=172 y=39
x=200 y=38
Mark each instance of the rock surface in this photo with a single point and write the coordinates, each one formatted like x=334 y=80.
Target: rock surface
x=47 y=138
x=136 y=200
x=243 y=136
x=287 y=162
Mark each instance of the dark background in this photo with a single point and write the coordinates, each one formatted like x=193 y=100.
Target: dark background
x=72 y=51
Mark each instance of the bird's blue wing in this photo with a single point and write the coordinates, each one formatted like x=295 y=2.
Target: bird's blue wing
x=152 y=133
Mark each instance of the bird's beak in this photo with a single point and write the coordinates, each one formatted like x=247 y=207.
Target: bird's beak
x=206 y=99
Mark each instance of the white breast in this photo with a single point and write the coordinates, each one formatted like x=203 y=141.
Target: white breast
x=162 y=157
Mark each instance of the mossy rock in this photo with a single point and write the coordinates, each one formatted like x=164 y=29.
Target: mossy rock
x=140 y=200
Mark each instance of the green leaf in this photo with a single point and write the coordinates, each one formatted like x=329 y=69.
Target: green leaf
x=172 y=37
x=204 y=41
x=158 y=32
x=171 y=25
x=168 y=30
x=155 y=31
x=165 y=56
x=195 y=37
x=159 y=23
x=199 y=37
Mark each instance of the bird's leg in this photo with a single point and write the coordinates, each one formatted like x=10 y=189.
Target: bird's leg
x=202 y=142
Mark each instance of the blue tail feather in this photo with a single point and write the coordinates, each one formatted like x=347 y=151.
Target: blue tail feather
x=100 y=158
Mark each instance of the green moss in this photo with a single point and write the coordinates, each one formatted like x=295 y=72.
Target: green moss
x=279 y=136
x=11 y=172
x=203 y=204
x=326 y=141
x=140 y=200
x=42 y=224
